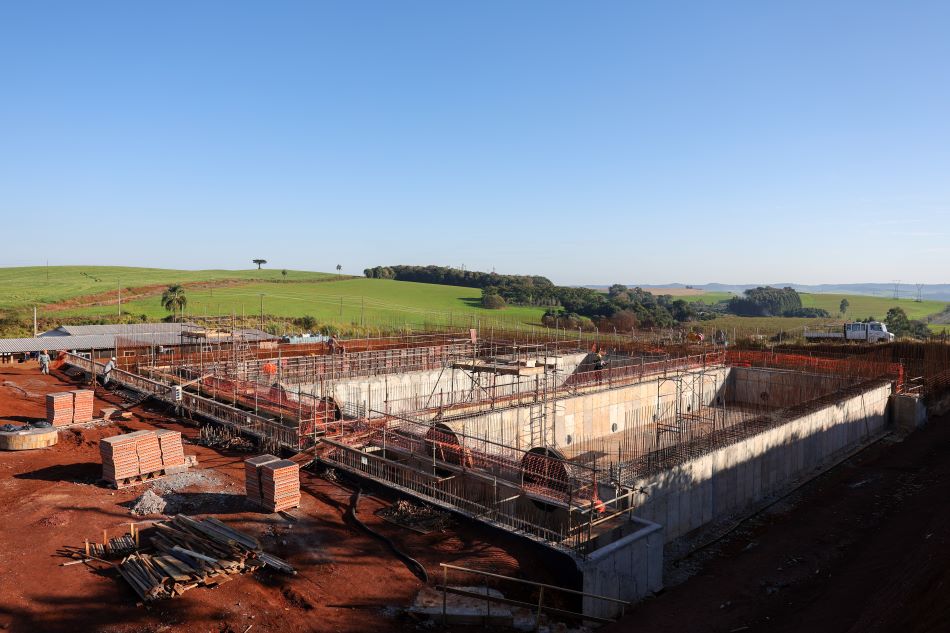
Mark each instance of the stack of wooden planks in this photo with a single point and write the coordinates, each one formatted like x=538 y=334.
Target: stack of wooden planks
x=113 y=548
x=191 y=553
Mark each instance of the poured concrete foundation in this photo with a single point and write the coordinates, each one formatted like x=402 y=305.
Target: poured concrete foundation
x=728 y=479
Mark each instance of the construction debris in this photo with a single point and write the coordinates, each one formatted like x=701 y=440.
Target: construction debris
x=193 y=553
x=419 y=517
x=149 y=503
x=113 y=548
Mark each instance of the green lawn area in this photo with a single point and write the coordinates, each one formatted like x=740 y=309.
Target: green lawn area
x=706 y=297
x=28 y=286
x=381 y=302
x=862 y=306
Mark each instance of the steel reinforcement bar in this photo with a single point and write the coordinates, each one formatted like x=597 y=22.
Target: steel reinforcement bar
x=245 y=421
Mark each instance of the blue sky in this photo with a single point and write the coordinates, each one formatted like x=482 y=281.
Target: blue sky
x=590 y=142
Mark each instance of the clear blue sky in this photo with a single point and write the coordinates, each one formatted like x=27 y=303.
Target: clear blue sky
x=590 y=142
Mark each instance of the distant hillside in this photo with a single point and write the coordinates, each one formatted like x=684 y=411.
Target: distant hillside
x=936 y=292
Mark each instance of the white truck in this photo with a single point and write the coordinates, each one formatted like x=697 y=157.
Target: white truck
x=872 y=332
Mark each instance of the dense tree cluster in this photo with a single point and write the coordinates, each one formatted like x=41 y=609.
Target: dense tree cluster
x=766 y=302
x=808 y=313
x=519 y=289
x=901 y=326
x=621 y=308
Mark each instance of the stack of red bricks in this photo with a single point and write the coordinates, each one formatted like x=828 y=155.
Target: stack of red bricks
x=82 y=405
x=169 y=443
x=120 y=458
x=149 y=452
x=59 y=408
x=140 y=453
x=252 y=476
x=280 y=485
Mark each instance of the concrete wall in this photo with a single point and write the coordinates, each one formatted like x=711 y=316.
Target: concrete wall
x=725 y=481
x=562 y=422
x=414 y=390
x=628 y=567
x=779 y=388
x=908 y=412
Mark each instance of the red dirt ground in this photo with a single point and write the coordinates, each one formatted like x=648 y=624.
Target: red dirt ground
x=865 y=548
x=346 y=581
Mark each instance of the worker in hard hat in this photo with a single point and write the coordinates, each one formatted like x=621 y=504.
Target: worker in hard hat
x=44 y=362
x=107 y=371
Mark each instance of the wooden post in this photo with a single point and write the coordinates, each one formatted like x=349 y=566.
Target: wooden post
x=537 y=621
x=104 y=538
x=87 y=548
x=445 y=584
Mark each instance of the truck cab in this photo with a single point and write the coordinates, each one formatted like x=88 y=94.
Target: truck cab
x=872 y=332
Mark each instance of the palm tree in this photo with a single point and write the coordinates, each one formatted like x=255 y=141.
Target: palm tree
x=338 y=269
x=174 y=299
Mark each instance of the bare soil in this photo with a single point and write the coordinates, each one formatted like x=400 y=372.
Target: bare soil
x=865 y=548
x=348 y=580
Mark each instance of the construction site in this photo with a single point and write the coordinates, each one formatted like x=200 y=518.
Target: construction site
x=493 y=478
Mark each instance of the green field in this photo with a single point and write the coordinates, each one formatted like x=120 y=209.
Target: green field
x=706 y=297
x=37 y=285
x=862 y=307
x=373 y=302
x=338 y=300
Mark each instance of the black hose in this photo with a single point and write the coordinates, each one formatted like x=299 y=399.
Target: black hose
x=417 y=569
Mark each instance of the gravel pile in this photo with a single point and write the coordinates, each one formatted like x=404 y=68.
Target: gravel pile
x=149 y=503
x=174 y=483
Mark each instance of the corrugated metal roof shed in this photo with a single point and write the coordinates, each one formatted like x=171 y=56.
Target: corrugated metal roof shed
x=82 y=342
x=120 y=329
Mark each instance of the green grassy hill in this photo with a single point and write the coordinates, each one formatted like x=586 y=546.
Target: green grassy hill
x=373 y=302
x=862 y=307
x=90 y=293
x=71 y=291
x=37 y=285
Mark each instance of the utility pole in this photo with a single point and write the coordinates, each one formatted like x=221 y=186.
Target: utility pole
x=34 y=321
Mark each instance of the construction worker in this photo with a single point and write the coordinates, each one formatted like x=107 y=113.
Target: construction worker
x=44 y=362
x=107 y=370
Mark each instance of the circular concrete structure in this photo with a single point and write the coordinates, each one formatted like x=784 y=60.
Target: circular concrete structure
x=28 y=439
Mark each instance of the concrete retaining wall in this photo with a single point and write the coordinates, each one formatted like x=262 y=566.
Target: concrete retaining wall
x=629 y=567
x=908 y=412
x=410 y=391
x=725 y=481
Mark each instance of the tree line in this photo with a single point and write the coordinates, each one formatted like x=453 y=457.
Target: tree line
x=621 y=308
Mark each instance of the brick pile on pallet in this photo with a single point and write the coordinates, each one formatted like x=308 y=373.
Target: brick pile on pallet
x=59 y=408
x=120 y=460
x=140 y=453
x=169 y=443
x=149 y=452
x=82 y=405
x=280 y=485
x=252 y=476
